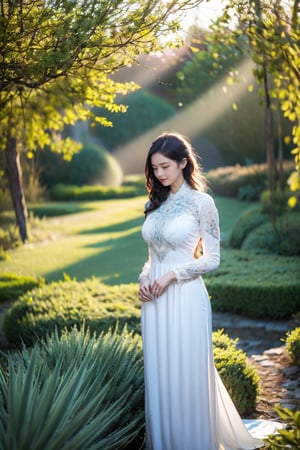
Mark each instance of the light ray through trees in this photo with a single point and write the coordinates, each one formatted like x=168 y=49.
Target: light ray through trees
x=191 y=120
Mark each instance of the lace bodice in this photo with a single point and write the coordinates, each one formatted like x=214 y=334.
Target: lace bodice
x=172 y=233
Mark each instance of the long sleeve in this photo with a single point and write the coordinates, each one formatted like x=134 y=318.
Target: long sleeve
x=146 y=269
x=210 y=235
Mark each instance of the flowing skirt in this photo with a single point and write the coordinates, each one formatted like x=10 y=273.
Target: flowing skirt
x=187 y=406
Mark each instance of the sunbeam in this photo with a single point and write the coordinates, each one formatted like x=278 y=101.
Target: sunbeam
x=191 y=121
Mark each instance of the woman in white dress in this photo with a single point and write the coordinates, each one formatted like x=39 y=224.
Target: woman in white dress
x=187 y=405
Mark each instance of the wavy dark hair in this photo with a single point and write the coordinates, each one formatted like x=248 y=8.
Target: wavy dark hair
x=176 y=147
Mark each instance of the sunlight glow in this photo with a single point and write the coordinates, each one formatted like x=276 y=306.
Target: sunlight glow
x=191 y=121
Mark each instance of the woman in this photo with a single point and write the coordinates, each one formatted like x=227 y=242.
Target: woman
x=187 y=405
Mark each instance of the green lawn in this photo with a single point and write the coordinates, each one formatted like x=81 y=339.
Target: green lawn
x=103 y=241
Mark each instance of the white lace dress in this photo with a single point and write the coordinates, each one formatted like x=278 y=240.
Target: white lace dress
x=187 y=405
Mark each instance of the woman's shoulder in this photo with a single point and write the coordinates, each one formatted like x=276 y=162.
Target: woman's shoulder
x=202 y=197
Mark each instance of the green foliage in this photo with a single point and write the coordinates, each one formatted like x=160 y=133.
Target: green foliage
x=240 y=378
x=62 y=192
x=92 y=165
x=277 y=202
x=233 y=181
x=293 y=345
x=269 y=33
x=282 y=240
x=67 y=303
x=248 y=221
x=74 y=391
x=53 y=209
x=144 y=111
x=206 y=67
x=288 y=438
x=255 y=285
x=12 y=286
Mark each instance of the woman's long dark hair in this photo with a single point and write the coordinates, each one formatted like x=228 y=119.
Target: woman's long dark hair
x=176 y=147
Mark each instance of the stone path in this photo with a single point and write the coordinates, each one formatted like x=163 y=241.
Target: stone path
x=262 y=340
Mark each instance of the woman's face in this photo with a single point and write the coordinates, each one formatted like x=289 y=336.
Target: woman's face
x=168 y=171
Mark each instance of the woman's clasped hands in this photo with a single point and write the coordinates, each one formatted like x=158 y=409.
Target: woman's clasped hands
x=149 y=292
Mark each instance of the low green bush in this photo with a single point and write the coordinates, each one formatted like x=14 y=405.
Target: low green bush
x=248 y=221
x=65 y=304
x=243 y=182
x=73 y=391
x=62 y=192
x=293 y=345
x=284 y=240
x=288 y=438
x=255 y=285
x=61 y=306
x=12 y=286
x=239 y=377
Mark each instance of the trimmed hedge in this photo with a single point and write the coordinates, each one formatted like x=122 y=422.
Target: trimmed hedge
x=13 y=286
x=243 y=182
x=254 y=285
x=98 y=307
x=62 y=192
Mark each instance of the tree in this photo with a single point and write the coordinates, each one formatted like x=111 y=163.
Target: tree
x=269 y=32
x=57 y=57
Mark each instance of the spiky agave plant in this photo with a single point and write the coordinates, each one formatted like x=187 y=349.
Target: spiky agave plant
x=73 y=391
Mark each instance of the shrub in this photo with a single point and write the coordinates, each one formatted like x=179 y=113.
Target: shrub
x=239 y=378
x=284 y=240
x=144 y=112
x=92 y=165
x=12 y=286
x=293 y=345
x=243 y=182
x=73 y=391
x=65 y=304
x=288 y=438
x=61 y=192
x=279 y=202
x=262 y=286
x=248 y=221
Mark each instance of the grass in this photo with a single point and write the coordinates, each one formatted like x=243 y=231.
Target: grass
x=103 y=240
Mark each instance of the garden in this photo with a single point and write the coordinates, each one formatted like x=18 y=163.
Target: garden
x=76 y=120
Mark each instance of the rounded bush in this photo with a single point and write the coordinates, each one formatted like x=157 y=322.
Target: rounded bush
x=239 y=377
x=144 y=112
x=282 y=240
x=65 y=304
x=92 y=165
x=248 y=221
x=293 y=345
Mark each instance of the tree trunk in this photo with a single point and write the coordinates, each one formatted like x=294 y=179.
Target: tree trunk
x=270 y=146
x=14 y=172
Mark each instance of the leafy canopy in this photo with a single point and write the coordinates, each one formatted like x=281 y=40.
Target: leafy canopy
x=269 y=32
x=57 y=57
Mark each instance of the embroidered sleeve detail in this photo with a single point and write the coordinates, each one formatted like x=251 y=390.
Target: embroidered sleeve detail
x=210 y=233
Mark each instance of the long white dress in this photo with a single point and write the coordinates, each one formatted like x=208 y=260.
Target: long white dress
x=187 y=405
